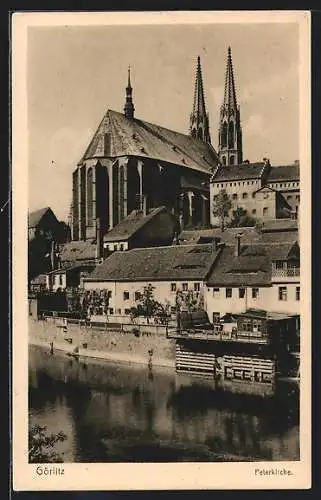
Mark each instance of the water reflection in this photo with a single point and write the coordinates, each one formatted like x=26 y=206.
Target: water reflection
x=118 y=413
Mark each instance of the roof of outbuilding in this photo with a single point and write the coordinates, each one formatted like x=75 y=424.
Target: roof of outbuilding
x=135 y=221
x=78 y=250
x=237 y=172
x=158 y=263
x=35 y=217
x=270 y=233
x=139 y=138
x=284 y=173
x=39 y=280
x=251 y=268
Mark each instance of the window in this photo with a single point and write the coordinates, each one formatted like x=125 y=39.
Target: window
x=255 y=293
x=196 y=287
x=231 y=184
x=126 y=295
x=253 y=195
x=234 y=183
x=248 y=183
x=115 y=248
x=241 y=293
x=118 y=311
x=215 y=197
x=216 y=317
x=266 y=196
x=289 y=197
x=137 y=296
x=60 y=279
x=109 y=294
x=297 y=293
x=111 y=310
x=234 y=196
x=254 y=211
x=222 y=185
x=297 y=197
x=121 y=247
x=265 y=210
x=173 y=287
x=228 y=293
x=216 y=292
x=127 y=311
x=283 y=293
x=279 y=264
x=173 y=309
x=244 y=196
x=184 y=287
x=281 y=185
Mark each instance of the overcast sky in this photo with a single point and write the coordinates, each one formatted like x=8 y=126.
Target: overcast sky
x=76 y=73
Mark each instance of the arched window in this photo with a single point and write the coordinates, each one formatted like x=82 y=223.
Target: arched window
x=200 y=134
x=90 y=197
x=224 y=160
x=232 y=160
x=231 y=135
x=224 y=135
x=193 y=133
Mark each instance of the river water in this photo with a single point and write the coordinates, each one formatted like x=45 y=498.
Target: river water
x=128 y=413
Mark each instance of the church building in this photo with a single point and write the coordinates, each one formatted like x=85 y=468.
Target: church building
x=131 y=164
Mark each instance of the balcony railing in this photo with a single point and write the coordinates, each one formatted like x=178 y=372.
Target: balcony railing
x=286 y=273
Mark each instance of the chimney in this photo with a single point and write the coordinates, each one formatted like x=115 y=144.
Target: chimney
x=237 y=251
x=98 y=239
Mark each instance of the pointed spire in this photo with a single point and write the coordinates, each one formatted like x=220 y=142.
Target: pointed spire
x=129 y=106
x=230 y=132
x=229 y=90
x=199 y=126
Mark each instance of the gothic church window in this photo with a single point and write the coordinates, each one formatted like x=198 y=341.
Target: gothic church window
x=231 y=134
x=224 y=135
x=90 y=197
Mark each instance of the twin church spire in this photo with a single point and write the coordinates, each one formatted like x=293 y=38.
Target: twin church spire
x=230 y=134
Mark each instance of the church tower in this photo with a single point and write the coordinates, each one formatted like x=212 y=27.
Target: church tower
x=199 y=123
x=230 y=132
x=129 y=106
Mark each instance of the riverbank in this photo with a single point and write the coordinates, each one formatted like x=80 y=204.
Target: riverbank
x=113 y=346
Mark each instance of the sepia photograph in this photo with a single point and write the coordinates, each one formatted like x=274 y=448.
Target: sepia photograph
x=161 y=176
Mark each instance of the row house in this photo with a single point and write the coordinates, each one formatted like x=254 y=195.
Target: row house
x=169 y=270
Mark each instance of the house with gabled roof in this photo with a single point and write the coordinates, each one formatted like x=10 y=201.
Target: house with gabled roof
x=254 y=275
x=157 y=228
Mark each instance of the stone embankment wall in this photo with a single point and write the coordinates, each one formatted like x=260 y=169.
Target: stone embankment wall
x=105 y=344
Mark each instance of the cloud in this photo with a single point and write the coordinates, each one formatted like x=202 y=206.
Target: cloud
x=277 y=83
x=254 y=125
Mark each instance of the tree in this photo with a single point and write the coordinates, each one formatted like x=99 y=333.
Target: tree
x=190 y=300
x=222 y=206
x=147 y=305
x=41 y=445
x=242 y=219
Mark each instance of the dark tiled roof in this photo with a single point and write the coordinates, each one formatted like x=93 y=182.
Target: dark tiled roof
x=35 y=217
x=131 y=224
x=77 y=250
x=284 y=173
x=251 y=268
x=237 y=172
x=191 y=262
x=139 y=138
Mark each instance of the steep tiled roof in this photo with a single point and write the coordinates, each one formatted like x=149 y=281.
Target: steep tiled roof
x=35 y=217
x=251 y=268
x=139 y=138
x=237 y=172
x=161 y=263
x=284 y=173
x=77 y=250
x=131 y=224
